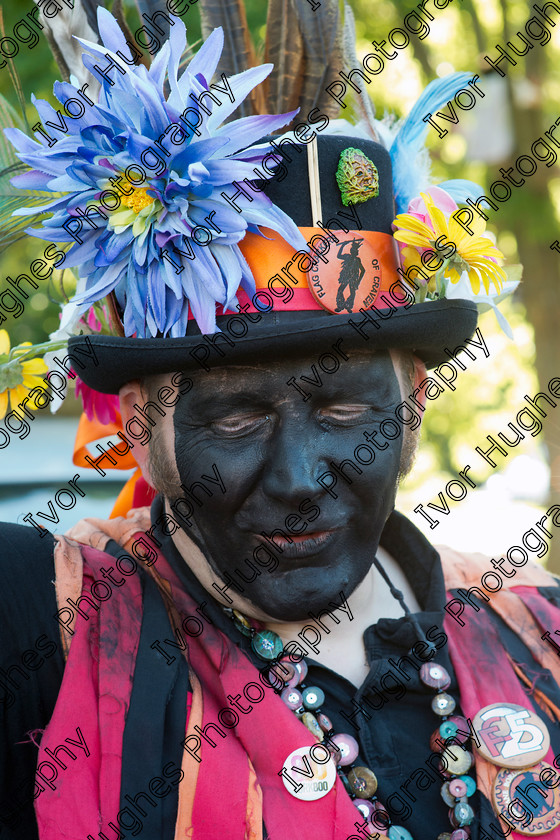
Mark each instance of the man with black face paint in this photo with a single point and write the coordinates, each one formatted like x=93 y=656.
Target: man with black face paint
x=270 y=650
x=271 y=448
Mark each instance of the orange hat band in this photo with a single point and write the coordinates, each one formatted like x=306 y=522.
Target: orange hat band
x=342 y=272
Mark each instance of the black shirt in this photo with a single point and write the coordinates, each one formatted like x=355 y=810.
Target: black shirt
x=31 y=668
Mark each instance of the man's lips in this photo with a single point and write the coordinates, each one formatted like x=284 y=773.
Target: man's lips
x=302 y=545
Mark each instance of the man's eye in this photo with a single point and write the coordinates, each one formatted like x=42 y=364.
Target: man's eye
x=344 y=412
x=239 y=424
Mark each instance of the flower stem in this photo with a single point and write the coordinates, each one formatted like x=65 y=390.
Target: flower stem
x=36 y=349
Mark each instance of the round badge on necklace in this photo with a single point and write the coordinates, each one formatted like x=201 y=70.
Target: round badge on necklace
x=525 y=801
x=309 y=773
x=510 y=735
x=351 y=278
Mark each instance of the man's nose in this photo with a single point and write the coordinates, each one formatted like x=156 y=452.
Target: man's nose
x=293 y=463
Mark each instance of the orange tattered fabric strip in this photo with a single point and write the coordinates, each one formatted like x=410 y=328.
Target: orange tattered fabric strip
x=184 y=829
x=91 y=431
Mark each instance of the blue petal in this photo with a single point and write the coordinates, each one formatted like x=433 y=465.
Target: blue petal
x=64 y=91
x=110 y=32
x=226 y=217
x=159 y=67
x=156 y=296
x=202 y=304
x=247 y=130
x=79 y=253
x=221 y=172
x=29 y=211
x=32 y=180
x=99 y=284
x=276 y=219
x=177 y=43
x=111 y=246
x=137 y=144
x=200 y=150
x=206 y=59
x=23 y=143
x=241 y=86
x=48 y=113
x=179 y=328
x=227 y=260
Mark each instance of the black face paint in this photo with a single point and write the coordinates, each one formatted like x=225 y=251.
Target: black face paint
x=270 y=447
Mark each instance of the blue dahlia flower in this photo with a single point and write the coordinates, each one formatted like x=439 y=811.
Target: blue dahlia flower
x=142 y=180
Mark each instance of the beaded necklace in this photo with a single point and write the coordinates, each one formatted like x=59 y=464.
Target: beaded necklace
x=288 y=679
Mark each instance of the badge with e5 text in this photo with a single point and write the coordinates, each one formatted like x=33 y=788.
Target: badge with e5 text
x=510 y=735
x=351 y=278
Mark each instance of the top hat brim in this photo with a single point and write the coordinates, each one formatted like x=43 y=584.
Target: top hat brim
x=432 y=330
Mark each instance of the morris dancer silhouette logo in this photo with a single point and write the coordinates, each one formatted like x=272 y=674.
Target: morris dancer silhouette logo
x=350 y=275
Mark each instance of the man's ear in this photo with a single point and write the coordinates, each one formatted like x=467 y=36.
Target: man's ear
x=136 y=430
x=420 y=373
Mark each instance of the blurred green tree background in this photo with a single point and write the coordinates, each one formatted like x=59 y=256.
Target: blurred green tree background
x=517 y=110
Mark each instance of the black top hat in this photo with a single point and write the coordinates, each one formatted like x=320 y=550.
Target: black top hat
x=305 y=301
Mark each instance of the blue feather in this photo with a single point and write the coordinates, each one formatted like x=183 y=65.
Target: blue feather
x=459 y=189
x=410 y=162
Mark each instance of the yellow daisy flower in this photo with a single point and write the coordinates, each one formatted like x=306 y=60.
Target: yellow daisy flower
x=474 y=253
x=17 y=378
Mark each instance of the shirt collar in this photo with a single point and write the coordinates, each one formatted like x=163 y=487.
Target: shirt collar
x=417 y=558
